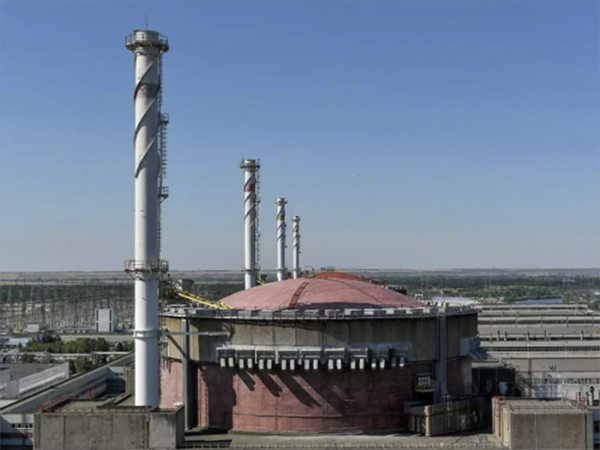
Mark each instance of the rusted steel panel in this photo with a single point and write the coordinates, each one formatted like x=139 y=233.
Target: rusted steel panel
x=281 y=401
x=171 y=387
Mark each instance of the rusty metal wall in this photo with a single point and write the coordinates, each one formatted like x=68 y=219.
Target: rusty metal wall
x=171 y=386
x=321 y=401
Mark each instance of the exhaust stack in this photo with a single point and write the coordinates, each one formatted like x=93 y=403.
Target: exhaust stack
x=281 y=270
x=148 y=48
x=250 y=167
x=296 y=246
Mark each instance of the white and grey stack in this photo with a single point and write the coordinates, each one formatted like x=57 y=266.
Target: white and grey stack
x=148 y=48
x=281 y=269
x=250 y=167
x=296 y=246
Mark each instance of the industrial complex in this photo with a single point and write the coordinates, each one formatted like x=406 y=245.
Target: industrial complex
x=320 y=360
x=318 y=354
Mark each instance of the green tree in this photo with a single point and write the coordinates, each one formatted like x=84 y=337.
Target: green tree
x=47 y=359
x=27 y=358
x=82 y=364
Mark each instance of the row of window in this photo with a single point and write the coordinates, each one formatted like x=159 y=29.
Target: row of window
x=566 y=380
x=590 y=348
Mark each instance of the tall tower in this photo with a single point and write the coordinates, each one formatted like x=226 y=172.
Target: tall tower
x=296 y=246
x=250 y=167
x=148 y=48
x=281 y=270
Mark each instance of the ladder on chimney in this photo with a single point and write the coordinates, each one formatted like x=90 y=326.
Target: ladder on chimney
x=163 y=191
x=256 y=229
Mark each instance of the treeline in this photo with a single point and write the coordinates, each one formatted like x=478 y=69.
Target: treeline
x=483 y=282
x=571 y=289
x=50 y=342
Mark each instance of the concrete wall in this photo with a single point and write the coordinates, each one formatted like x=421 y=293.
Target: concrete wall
x=419 y=333
x=460 y=377
x=549 y=431
x=453 y=417
x=542 y=426
x=109 y=430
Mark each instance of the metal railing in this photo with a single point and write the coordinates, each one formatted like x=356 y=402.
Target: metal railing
x=134 y=265
x=134 y=39
x=314 y=314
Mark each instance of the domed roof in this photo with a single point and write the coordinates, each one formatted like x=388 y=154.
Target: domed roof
x=338 y=275
x=319 y=293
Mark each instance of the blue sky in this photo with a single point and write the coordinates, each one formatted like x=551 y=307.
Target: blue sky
x=406 y=134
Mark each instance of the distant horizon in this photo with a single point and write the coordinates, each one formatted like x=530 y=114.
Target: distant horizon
x=342 y=269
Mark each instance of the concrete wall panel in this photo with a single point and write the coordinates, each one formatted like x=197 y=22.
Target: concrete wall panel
x=76 y=435
x=361 y=333
x=262 y=334
x=50 y=432
x=285 y=334
x=174 y=324
x=337 y=334
x=309 y=333
x=129 y=432
x=574 y=431
x=162 y=431
x=100 y=432
x=548 y=431
x=522 y=428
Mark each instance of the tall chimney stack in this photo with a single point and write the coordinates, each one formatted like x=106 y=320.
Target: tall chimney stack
x=296 y=246
x=148 y=48
x=281 y=270
x=250 y=167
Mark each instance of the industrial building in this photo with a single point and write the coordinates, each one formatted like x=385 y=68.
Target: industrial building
x=555 y=349
x=317 y=354
x=325 y=353
x=51 y=385
x=524 y=424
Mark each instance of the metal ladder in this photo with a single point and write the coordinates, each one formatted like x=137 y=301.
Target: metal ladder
x=257 y=230
x=163 y=191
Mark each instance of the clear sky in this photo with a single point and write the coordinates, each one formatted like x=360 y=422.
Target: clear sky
x=406 y=134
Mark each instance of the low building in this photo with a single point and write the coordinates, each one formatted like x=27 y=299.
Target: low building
x=107 y=424
x=35 y=327
x=17 y=419
x=106 y=321
x=525 y=424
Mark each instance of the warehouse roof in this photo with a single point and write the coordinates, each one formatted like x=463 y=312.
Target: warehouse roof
x=319 y=293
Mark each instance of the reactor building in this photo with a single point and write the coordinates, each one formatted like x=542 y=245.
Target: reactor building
x=326 y=353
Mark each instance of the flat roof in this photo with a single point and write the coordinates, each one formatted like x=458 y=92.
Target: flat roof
x=236 y=439
x=561 y=364
x=530 y=405
x=20 y=370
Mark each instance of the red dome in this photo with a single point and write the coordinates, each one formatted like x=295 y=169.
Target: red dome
x=338 y=276
x=319 y=293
